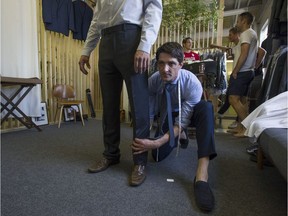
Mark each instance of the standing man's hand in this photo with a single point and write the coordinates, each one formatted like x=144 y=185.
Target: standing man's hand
x=84 y=60
x=141 y=61
x=234 y=74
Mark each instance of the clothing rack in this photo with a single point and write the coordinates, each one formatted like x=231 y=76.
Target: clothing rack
x=202 y=51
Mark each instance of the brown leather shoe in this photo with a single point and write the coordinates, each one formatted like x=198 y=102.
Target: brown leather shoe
x=102 y=165
x=138 y=175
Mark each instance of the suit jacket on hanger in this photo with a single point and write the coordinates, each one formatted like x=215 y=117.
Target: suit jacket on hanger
x=58 y=15
x=82 y=19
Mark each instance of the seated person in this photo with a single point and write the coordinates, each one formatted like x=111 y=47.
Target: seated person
x=189 y=55
x=193 y=112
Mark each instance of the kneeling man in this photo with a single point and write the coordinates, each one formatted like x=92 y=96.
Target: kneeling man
x=176 y=93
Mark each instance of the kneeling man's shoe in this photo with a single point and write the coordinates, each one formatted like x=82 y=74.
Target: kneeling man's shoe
x=138 y=175
x=102 y=165
x=184 y=142
x=204 y=196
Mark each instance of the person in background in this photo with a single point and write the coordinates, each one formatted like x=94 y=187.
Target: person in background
x=243 y=72
x=193 y=112
x=234 y=36
x=234 y=52
x=124 y=54
x=189 y=55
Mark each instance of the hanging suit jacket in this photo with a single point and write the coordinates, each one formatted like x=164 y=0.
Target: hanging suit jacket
x=82 y=18
x=275 y=81
x=58 y=16
x=278 y=18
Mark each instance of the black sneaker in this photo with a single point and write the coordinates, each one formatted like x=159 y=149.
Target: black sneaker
x=251 y=149
x=184 y=143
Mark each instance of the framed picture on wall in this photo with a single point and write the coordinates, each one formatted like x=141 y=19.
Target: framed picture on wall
x=43 y=119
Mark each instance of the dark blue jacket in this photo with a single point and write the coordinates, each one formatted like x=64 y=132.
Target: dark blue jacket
x=58 y=15
x=82 y=18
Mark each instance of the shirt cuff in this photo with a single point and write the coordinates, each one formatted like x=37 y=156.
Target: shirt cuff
x=144 y=47
x=86 y=51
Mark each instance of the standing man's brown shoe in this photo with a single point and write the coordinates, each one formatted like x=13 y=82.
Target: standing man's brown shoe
x=102 y=165
x=138 y=175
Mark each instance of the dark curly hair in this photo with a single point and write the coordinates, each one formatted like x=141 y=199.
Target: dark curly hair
x=172 y=48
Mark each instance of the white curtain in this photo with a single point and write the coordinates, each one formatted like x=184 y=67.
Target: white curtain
x=19 y=48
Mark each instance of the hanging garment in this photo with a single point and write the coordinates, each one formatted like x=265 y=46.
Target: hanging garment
x=275 y=80
x=58 y=16
x=82 y=19
x=219 y=85
x=278 y=19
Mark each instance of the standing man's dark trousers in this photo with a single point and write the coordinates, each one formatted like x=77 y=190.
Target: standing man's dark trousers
x=203 y=120
x=116 y=62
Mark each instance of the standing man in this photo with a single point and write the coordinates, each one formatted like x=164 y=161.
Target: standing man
x=186 y=109
x=127 y=28
x=234 y=52
x=243 y=72
x=234 y=37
